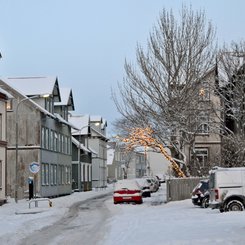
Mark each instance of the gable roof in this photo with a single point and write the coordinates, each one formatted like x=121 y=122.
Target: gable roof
x=81 y=122
x=12 y=92
x=30 y=86
x=66 y=99
x=98 y=134
x=102 y=121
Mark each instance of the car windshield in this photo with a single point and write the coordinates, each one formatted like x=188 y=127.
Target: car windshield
x=127 y=184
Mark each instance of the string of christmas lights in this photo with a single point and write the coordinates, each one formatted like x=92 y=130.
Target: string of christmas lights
x=143 y=137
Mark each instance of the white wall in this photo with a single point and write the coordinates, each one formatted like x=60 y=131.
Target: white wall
x=158 y=163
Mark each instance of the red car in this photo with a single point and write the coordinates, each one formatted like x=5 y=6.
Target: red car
x=127 y=191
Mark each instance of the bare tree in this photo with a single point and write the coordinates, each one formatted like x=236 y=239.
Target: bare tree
x=162 y=90
x=231 y=77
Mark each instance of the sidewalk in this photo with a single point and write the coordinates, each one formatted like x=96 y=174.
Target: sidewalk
x=18 y=220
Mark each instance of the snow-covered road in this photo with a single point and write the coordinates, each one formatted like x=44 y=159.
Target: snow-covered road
x=83 y=219
x=153 y=222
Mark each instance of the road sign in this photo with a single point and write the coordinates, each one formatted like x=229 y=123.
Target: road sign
x=34 y=167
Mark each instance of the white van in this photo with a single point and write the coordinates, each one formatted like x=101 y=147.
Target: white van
x=227 y=188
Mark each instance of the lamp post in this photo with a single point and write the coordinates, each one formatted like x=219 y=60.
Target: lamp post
x=17 y=139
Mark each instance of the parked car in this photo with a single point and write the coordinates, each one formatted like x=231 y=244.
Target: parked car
x=127 y=191
x=200 y=194
x=161 y=178
x=145 y=186
x=154 y=181
x=227 y=188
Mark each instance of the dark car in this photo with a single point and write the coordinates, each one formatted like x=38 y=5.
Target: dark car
x=200 y=194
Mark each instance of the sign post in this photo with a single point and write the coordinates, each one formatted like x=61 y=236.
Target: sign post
x=34 y=168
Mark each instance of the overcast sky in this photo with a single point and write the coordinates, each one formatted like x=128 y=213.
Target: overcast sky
x=85 y=43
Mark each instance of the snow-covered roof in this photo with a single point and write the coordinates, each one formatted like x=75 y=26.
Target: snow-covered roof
x=8 y=88
x=96 y=119
x=78 y=144
x=66 y=99
x=81 y=122
x=61 y=119
x=30 y=86
x=6 y=92
x=98 y=133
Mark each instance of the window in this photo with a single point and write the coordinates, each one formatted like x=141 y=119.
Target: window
x=202 y=156
x=9 y=105
x=203 y=123
x=55 y=174
x=67 y=175
x=62 y=143
x=46 y=138
x=204 y=92
x=51 y=174
x=43 y=138
x=59 y=174
x=49 y=104
x=65 y=144
x=63 y=173
x=45 y=174
x=55 y=141
x=51 y=140
x=58 y=142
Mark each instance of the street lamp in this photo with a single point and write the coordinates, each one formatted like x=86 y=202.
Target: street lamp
x=16 y=137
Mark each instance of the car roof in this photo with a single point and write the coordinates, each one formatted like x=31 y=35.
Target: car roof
x=127 y=183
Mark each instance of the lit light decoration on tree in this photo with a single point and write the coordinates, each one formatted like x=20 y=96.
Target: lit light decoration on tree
x=143 y=137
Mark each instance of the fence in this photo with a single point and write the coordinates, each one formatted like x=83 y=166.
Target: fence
x=180 y=188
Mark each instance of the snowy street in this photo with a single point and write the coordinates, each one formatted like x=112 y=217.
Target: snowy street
x=101 y=222
x=83 y=219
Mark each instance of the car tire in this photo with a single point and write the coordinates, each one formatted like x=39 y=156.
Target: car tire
x=205 y=202
x=234 y=205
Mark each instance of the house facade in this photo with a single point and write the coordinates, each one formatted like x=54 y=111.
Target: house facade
x=114 y=163
x=81 y=153
x=98 y=142
x=36 y=135
x=81 y=166
x=3 y=145
x=205 y=152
